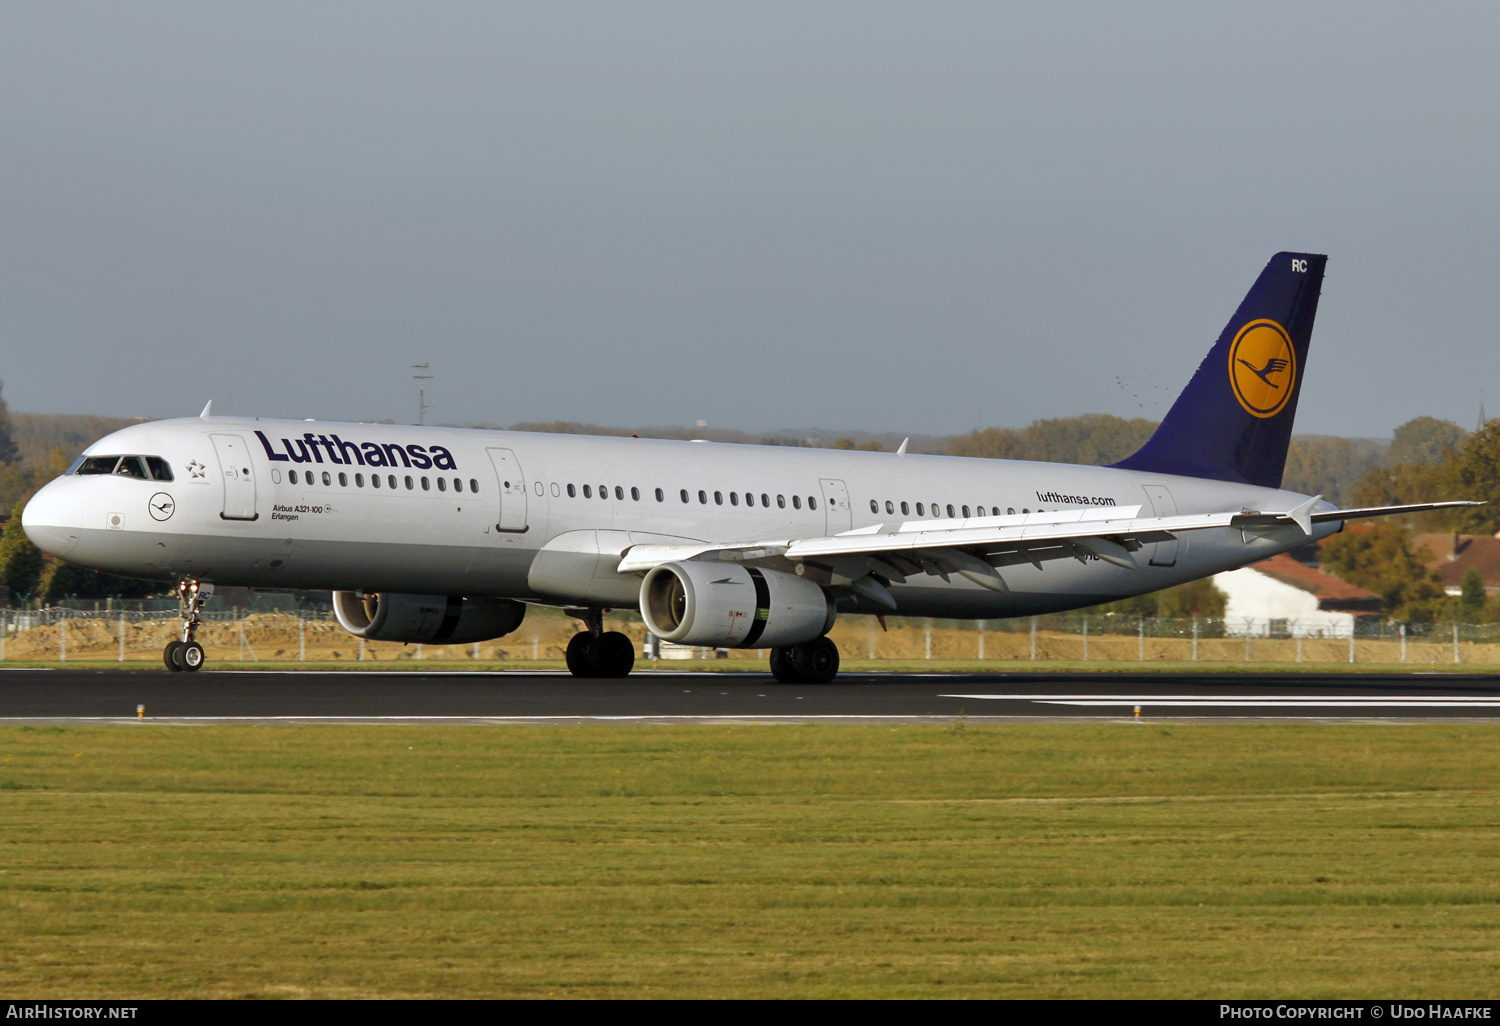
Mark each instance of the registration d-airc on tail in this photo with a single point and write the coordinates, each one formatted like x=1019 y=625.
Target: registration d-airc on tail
x=444 y=536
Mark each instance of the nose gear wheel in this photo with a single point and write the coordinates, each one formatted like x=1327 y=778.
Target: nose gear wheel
x=185 y=653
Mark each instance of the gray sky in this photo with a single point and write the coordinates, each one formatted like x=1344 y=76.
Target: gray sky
x=909 y=217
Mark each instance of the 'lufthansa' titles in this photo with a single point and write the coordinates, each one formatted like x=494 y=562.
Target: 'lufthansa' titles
x=311 y=448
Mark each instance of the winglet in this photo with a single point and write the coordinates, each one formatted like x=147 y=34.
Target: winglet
x=208 y=410
x=902 y=451
x=1302 y=515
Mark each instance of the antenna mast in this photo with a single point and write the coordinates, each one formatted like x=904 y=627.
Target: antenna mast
x=421 y=392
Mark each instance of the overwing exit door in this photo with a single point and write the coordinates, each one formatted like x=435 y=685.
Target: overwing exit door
x=836 y=503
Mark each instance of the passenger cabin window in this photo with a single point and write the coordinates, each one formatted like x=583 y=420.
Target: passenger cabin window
x=474 y=486
x=425 y=486
x=442 y=484
x=905 y=509
x=812 y=503
x=327 y=479
x=660 y=497
x=343 y=480
x=796 y=502
x=781 y=502
x=390 y=479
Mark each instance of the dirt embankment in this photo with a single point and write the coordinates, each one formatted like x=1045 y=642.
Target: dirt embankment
x=277 y=637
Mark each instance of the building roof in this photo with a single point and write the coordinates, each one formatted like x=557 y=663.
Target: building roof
x=1450 y=556
x=1332 y=593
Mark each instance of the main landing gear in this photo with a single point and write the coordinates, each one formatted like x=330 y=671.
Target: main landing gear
x=186 y=653
x=812 y=662
x=597 y=652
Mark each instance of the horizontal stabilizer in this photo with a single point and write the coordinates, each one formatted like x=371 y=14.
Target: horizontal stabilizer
x=1300 y=514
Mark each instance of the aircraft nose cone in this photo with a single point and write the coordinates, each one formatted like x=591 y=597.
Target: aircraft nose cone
x=49 y=523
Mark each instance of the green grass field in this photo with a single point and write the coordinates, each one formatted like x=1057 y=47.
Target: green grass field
x=1051 y=860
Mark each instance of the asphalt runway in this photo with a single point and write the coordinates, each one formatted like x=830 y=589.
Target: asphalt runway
x=30 y=695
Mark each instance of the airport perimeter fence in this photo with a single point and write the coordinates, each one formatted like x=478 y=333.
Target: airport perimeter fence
x=313 y=635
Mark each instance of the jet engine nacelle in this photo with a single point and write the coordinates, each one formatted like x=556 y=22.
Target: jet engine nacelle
x=434 y=619
x=732 y=606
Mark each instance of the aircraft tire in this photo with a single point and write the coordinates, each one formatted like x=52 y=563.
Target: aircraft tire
x=191 y=656
x=781 y=665
x=816 y=661
x=577 y=656
x=612 y=655
x=169 y=655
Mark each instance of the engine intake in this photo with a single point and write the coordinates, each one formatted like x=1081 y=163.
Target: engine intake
x=732 y=606
x=438 y=619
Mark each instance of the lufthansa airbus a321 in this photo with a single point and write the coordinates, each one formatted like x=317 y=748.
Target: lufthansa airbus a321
x=444 y=536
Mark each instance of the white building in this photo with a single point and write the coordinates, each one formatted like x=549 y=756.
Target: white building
x=1282 y=597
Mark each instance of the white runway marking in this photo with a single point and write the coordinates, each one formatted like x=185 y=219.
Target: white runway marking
x=1255 y=701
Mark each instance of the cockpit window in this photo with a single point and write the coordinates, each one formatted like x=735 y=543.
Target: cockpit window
x=131 y=466
x=145 y=468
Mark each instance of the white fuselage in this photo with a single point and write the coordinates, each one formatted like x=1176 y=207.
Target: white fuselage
x=545 y=517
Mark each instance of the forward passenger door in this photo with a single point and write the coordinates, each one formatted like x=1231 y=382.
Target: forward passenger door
x=238 y=474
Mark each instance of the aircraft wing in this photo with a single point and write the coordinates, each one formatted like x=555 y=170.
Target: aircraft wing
x=868 y=559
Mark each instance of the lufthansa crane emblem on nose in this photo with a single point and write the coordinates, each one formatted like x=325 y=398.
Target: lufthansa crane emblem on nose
x=162 y=506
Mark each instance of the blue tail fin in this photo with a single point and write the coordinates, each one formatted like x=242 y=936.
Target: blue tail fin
x=1233 y=422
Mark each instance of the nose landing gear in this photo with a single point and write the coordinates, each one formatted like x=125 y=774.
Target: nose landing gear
x=185 y=653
